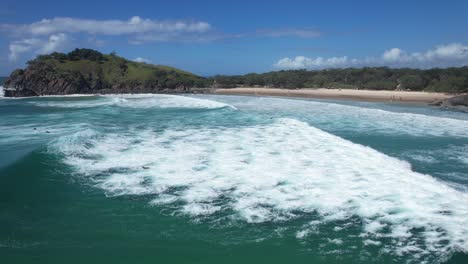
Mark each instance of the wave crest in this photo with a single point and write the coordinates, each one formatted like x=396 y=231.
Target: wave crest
x=141 y=101
x=278 y=172
x=166 y=101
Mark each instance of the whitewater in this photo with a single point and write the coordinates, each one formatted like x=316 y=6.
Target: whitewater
x=380 y=182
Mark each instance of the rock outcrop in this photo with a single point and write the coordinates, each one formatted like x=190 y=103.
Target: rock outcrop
x=86 y=71
x=43 y=80
x=459 y=102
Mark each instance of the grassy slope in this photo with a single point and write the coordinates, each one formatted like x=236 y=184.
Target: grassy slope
x=115 y=69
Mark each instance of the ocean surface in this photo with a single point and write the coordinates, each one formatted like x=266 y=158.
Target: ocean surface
x=230 y=179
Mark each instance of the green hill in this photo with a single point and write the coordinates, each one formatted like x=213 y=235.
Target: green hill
x=89 y=71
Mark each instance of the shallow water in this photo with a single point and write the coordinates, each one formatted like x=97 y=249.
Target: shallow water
x=229 y=179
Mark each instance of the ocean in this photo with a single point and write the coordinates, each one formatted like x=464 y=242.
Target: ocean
x=230 y=179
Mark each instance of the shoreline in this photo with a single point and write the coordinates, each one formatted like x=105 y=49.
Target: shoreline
x=341 y=94
x=406 y=97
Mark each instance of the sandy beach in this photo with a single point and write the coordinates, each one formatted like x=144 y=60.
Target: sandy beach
x=343 y=94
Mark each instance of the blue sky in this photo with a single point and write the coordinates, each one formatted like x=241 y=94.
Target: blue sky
x=220 y=37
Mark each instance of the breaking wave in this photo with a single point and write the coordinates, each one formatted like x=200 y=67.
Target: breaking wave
x=77 y=101
x=166 y=101
x=277 y=172
x=144 y=101
x=352 y=117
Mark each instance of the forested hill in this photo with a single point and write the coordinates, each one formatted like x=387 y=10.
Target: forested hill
x=88 y=71
x=454 y=80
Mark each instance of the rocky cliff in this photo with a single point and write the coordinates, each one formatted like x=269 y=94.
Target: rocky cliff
x=85 y=71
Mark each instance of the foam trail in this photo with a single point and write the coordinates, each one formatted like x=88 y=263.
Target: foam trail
x=453 y=153
x=277 y=172
x=77 y=101
x=62 y=95
x=352 y=118
x=166 y=101
x=2 y=92
x=141 y=101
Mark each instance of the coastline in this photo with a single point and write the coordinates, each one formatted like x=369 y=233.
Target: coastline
x=409 y=97
x=340 y=94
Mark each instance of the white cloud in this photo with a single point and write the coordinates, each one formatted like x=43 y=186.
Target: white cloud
x=140 y=59
x=394 y=54
x=452 y=51
x=301 y=62
x=454 y=54
x=50 y=35
x=19 y=47
x=55 y=42
x=140 y=30
x=135 y=25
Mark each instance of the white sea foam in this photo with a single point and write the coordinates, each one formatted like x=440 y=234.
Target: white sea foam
x=454 y=153
x=62 y=95
x=165 y=101
x=50 y=96
x=72 y=102
x=356 y=118
x=143 y=101
x=2 y=92
x=277 y=172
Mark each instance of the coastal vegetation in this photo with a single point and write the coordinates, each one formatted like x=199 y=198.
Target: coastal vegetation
x=452 y=80
x=90 y=71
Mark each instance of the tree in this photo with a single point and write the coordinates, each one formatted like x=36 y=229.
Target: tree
x=412 y=82
x=85 y=54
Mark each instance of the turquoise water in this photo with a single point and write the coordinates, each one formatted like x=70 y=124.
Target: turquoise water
x=230 y=179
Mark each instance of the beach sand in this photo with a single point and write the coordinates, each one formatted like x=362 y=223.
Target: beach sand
x=343 y=94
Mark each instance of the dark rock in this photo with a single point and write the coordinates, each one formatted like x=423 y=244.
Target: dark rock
x=42 y=79
x=459 y=102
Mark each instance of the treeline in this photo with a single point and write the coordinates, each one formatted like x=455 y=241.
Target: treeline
x=112 y=69
x=453 y=80
x=76 y=54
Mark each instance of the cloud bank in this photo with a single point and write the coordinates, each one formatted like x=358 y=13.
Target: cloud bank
x=134 y=25
x=49 y=35
x=454 y=54
x=37 y=45
x=54 y=34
